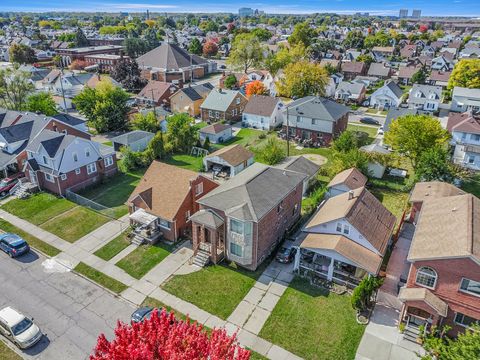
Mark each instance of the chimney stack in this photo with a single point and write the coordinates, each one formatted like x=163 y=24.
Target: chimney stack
x=350 y=195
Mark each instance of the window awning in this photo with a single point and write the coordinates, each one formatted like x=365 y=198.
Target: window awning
x=142 y=217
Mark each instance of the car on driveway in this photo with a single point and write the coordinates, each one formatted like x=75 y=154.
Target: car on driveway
x=13 y=245
x=8 y=183
x=141 y=314
x=286 y=254
x=369 y=120
x=18 y=328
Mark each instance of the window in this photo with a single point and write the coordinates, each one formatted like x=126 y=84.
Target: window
x=77 y=171
x=475 y=137
x=464 y=320
x=236 y=226
x=295 y=208
x=470 y=286
x=63 y=177
x=210 y=113
x=217 y=114
x=87 y=152
x=45 y=160
x=199 y=188
x=339 y=227
x=108 y=161
x=165 y=224
x=471 y=159
x=346 y=229
x=238 y=101
x=236 y=249
x=49 y=178
x=91 y=168
x=75 y=157
x=426 y=277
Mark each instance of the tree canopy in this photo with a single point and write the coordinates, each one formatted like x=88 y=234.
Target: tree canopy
x=465 y=347
x=127 y=73
x=246 y=52
x=22 y=54
x=466 y=73
x=303 y=78
x=41 y=103
x=181 y=135
x=15 y=86
x=195 y=47
x=255 y=88
x=147 y=122
x=302 y=33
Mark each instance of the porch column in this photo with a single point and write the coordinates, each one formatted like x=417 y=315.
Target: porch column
x=213 y=249
x=330 y=270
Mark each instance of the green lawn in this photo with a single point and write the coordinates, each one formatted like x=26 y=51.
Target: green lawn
x=154 y=303
x=32 y=240
x=143 y=259
x=217 y=289
x=8 y=354
x=245 y=137
x=114 y=192
x=185 y=161
x=370 y=130
x=113 y=247
x=472 y=185
x=314 y=324
x=100 y=278
x=38 y=208
x=395 y=201
x=107 y=143
x=74 y=224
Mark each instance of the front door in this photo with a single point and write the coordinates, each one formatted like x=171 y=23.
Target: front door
x=33 y=177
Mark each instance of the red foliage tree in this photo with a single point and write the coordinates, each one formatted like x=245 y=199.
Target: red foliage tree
x=423 y=28
x=210 y=48
x=230 y=27
x=162 y=337
x=78 y=65
x=256 y=87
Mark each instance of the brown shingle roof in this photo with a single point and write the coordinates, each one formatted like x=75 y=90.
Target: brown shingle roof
x=448 y=227
x=464 y=122
x=233 y=154
x=433 y=190
x=163 y=188
x=363 y=211
x=352 y=178
x=261 y=105
x=353 y=251
x=156 y=89
x=356 y=67
x=425 y=295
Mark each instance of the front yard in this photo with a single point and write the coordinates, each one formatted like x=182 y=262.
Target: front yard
x=57 y=215
x=313 y=323
x=143 y=259
x=6 y=353
x=100 y=278
x=113 y=247
x=217 y=289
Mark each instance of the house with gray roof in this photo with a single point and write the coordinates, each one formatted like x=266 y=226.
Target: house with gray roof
x=351 y=92
x=315 y=118
x=394 y=113
x=464 y=99
x=189 y=99
x=223 y=105
x=243 y=219
x=425 y=97
x=136 y=140
x=387 y=96
x=379 y=70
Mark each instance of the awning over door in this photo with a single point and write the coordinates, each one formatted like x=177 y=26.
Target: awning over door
x=142 y=217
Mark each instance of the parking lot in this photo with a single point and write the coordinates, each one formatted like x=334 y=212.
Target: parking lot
x=70 y=310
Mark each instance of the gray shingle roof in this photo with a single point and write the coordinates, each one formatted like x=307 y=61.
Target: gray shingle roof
x=395 y=88
x=170 y=57
x=395 y=113
x=317 y=108
x=219 y=100
x=131 y=137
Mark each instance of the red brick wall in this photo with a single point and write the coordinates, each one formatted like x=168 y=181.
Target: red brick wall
x=340 y=126
x=450 y=273
x=60 y=127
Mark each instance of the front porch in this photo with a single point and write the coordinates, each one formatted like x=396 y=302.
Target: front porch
x=208 y=237
x=146 y=227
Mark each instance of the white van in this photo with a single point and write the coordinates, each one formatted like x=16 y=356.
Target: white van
x=18 y=328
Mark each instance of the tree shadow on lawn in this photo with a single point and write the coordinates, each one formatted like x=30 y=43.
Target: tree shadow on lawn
x=303 y=285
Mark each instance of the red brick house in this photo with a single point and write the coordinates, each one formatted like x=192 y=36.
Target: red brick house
x=246 y=217
x=58 y=162
x=170 y=194
x=315 y=118
x=443 y=285
x=157 y=93
x=352 y=69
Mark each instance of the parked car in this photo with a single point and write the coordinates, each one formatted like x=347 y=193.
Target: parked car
x=141 y=314
x=369 y=120
x=8 y=183
x=380 y=131
x=286 y=254
x=18 y=328
x=13 y=245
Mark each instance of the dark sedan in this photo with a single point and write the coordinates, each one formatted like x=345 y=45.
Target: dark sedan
x=369 y=120
x=141 y=314
x=13 y=245
x=286 y=254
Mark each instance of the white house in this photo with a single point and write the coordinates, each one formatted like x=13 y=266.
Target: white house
x=234 y=157
x=389 y=95
x=263 y=112
x=465 y=130
x=425 y=97
x=464 y=99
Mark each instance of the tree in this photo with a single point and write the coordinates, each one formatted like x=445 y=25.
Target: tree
x=22 y=54
x=181 y=135
x=420 y=76
x=128 y=160
x=262 y=34
x=354 y=40
x=246 y=52
x=302 y=33
x=367 y=59
x=434 y=165
x=157 y=146
x=230 y=81
x=322 y=46
x=465 y=347
x=210 y=48
x=345 y=142
x=348 y=159
x=41 y=103
x=412 y=135
x=80 y=38
x=423 y=28
x=148 y=122
x=165 y=337
x=78 y=65
x=15 y=86
x=206 y=143
x=284 y=56
x=272 y=152
x=362 y=294
x=302 y=79
x=134 y=47
x=255 y=88
x=466 y=73
x=195 y=47
x=105 y=107
x=127 y=73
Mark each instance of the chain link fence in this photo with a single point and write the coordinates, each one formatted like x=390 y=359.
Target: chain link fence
x=83 y=201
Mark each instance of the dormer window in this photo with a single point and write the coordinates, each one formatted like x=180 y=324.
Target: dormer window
x=87 y=152
x=45 y=160
x=75 y=157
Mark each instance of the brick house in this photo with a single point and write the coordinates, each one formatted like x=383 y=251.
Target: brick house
x=352 y=69
x=223 y=105
x=444 y=278
x=57 y=162
x=319 y=119
x=170 y=194
x=246 y=217
x=156 y=93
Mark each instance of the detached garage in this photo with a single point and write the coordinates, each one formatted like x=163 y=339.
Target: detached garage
x=233 y=159
x=136 y=140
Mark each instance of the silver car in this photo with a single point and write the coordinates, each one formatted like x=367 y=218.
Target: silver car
x=18 y=328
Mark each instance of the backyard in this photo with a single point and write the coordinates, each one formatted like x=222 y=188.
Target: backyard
x=57 y=215
x=313 y=323
x=143 y=259
x=217 y=289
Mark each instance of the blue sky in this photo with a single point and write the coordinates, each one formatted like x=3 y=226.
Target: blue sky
x=428 y=7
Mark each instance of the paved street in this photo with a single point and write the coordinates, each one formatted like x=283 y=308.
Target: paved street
x=355 y=118
x=70 y=310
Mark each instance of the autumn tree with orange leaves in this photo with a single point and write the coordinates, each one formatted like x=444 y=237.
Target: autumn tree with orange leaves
x=255 y=88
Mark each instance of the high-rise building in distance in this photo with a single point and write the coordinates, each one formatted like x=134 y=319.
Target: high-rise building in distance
x=245 y=12
x=416 y=14
x=403 y=13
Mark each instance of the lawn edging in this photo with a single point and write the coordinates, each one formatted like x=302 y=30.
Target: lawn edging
x=90 y=273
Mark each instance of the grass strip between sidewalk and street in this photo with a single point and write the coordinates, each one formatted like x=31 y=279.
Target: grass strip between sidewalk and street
x=100 y=278
x=8 y=354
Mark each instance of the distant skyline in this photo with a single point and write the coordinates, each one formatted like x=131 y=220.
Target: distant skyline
x=469 y=8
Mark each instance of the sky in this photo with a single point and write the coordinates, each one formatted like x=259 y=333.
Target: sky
x=374 y=7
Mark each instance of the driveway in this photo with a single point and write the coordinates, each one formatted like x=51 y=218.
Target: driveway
x=70 y=310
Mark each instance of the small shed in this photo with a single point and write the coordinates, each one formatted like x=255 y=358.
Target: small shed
x=374 y=167
x=136 y=140
x=216 y=133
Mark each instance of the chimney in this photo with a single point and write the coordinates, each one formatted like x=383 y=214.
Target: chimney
x=350 y=195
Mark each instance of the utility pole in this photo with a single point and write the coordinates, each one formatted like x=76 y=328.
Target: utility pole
x=288 y=135
x=63 y=92
x=153 y=102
